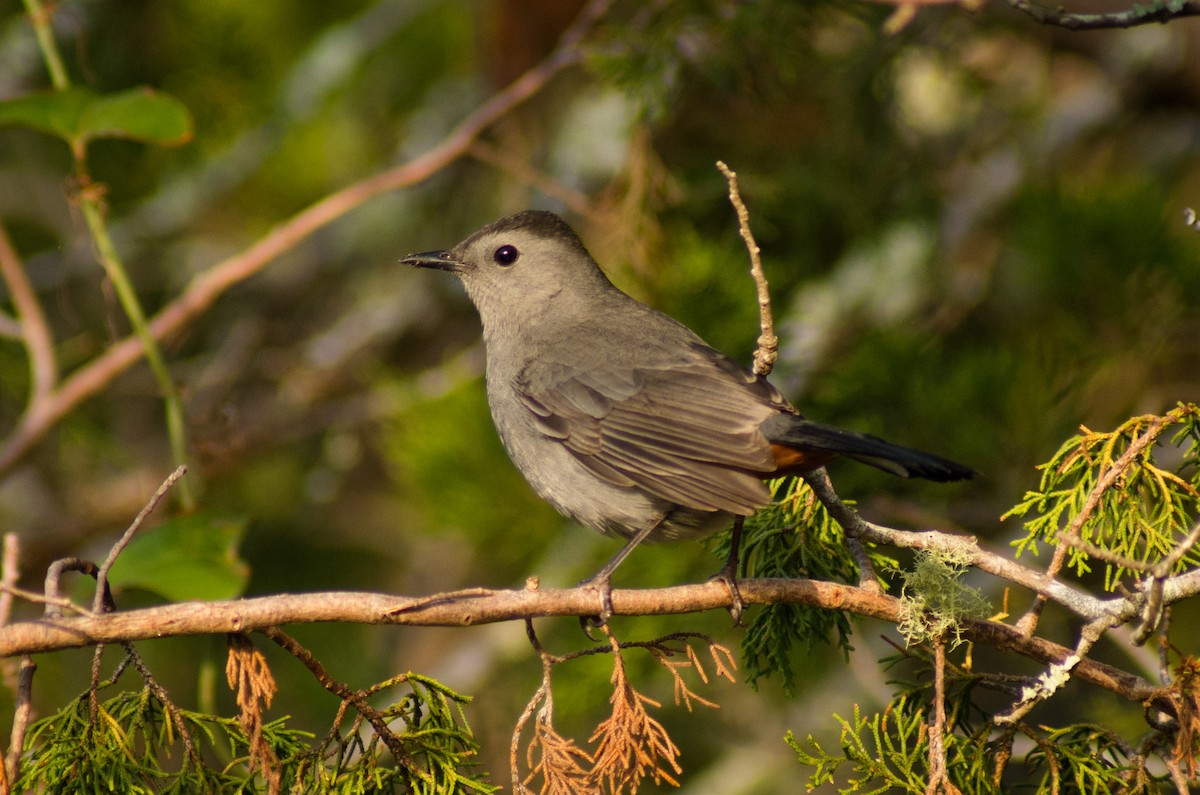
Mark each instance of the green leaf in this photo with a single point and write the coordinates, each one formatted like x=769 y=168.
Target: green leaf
x=79 y=115
x=57 y=114
x=139 y=114
x=190 y=557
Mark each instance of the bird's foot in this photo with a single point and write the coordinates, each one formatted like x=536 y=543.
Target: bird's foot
x=602 y=584
x=728 y=576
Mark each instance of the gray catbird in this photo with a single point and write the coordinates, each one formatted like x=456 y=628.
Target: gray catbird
x=621 y=417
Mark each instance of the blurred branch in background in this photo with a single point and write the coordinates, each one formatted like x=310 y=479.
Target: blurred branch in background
x=206 y=287
x=31 y=324
x=1159 y=12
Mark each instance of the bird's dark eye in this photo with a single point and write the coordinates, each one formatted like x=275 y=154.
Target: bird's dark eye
x=506 y=255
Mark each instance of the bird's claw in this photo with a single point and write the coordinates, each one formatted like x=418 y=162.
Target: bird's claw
x=603 y=586
x=728 y=576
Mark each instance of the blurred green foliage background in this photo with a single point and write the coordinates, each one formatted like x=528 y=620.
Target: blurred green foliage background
x=973 y=231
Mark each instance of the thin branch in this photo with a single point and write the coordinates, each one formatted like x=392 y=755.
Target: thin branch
x=344 y=692
x=206 y=287
x=768 y=344
x=543 y=696
x=21 y=716
x=939 y=777
x=54 y=573
x=520 y=169
x=1059 y=673
x=164 y=698
x=856 y=527
x=1178 y=777
x=1105 y=482
x=10 y=573
x=1138 y=14
x=127 y=536
x=35 y=331
x=1102 y=554
x=22 y=684
x=41 y=599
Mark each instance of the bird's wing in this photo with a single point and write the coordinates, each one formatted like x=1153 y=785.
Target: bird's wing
x=685 y=431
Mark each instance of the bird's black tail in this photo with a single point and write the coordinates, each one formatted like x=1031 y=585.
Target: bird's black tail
x=796 y=432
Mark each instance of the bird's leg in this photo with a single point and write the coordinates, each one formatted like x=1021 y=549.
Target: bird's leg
x=602 y=580
x=728 y=572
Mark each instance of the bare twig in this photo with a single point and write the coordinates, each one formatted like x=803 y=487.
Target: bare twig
x=35 y=332
x=1178 y=777
x=939 y=777
x=1164 y=648
x=21 y=716
x=54 y=573
x=520 y=169
x=1138 y=14
x=560 y=761
x=768 y=344
x=127 y=536
x=41 y=599
x=539 y=695
x=102 y=601
x=10 y=572
x=206 y=287
x=1102 y=554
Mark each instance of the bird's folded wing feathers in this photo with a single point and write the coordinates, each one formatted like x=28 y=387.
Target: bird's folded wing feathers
x=687 y=434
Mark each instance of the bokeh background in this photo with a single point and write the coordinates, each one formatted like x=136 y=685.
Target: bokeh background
x=973 y=230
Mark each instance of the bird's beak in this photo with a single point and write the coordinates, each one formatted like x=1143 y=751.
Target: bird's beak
x=442 y=260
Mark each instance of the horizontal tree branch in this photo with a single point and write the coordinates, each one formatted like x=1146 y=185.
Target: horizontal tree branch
x=483 y=606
